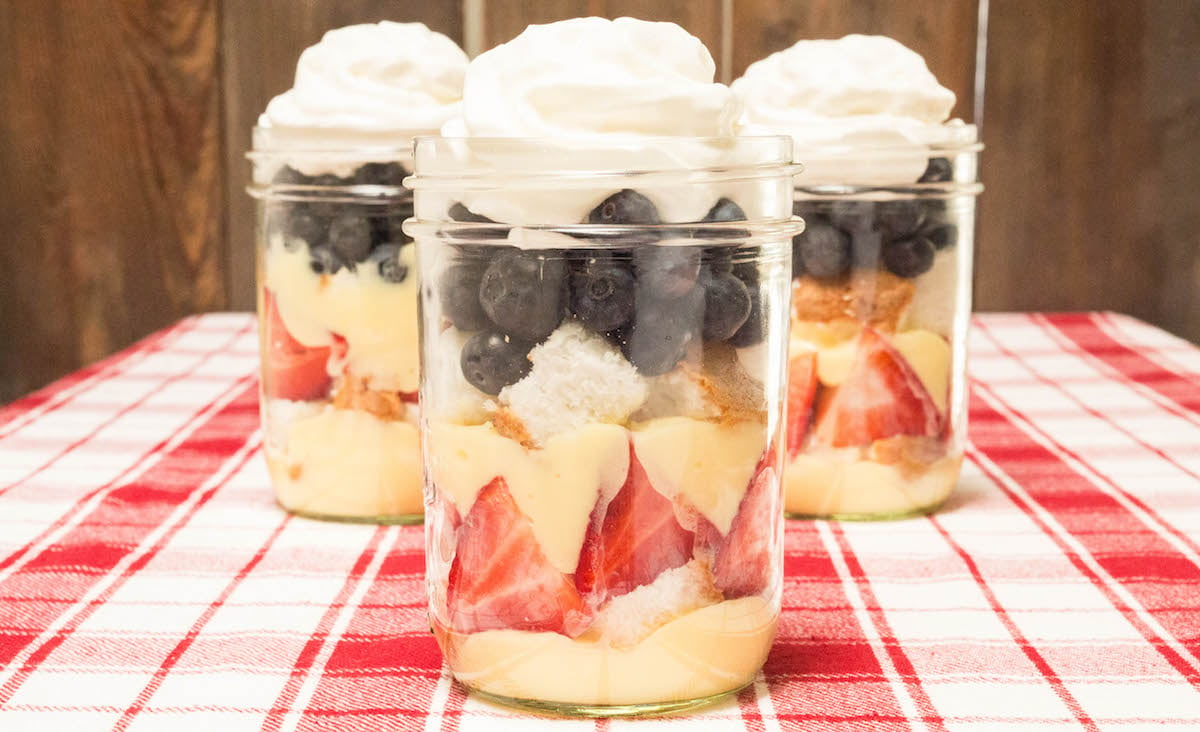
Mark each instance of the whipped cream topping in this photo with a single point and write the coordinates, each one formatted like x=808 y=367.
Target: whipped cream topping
x=861 y=109
x=599 y=92
x=375 y=83
x=597 y=77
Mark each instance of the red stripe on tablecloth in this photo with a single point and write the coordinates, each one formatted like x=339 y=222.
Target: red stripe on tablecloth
x=307 y=658
x=193 y=632
x=131 y=406
x=1014 y=632
x=148 y=461
x=747 y=700
x=904 y=667
x=193 y=462
x=1050 y=484
x=1155 y=523
x=812 y=580
x=1179 y=392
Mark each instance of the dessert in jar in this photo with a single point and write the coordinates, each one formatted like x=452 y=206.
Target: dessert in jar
x=881 y=274
x=337 y=292
x=604 y=311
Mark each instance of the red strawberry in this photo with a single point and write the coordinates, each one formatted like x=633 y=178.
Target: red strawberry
x=636 y=539
x=802 y=388
x=292 y=370
x=742 y=559
x=881 y=397
x=501 y=579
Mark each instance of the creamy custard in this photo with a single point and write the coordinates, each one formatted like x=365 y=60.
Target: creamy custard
x=342 y=463
x=709 y=651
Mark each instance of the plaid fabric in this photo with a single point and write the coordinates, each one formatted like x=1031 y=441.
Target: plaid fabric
x=147 y=580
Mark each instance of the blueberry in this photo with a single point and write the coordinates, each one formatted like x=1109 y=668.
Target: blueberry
x=387 y=258
x=725 y=210
x=624 y=207
x=602 y=294
x=852 y=215
x=522 y=293
x=661 y=332
x=324 y=260
x=755 y=328
x=379 y=174
x=866 y=248
x=490 y=361
x=304 y=223
x=900 y=218
x=909 y=257
x=350 y=237
x=459 y=212
x=825 y=251
x=459 y=293
x=942 y=236
x=386 y=229
x=726 y=305
x=329 y=180
x=939 y=170
x=666 y=272
x=289 y=176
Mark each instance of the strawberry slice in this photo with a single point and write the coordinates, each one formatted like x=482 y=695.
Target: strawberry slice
x=636 y=539
x=802 y=388
x=291 y=370
x=742 y=563
x=881 y=397
x=501 y=578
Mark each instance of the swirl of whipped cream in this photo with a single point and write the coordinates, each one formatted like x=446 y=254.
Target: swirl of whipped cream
x=593 y=76
x=363 y=84
x=600 y=92
x=861 y=109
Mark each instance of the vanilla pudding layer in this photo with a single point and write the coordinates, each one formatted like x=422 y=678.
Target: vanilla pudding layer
x=709 y=651
x=346 y=463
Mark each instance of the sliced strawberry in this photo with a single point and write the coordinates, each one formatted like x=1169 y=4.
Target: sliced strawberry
x=291 y=370
x=636 y=539
x=743 y=560
x=802 y=389
x=881 y=397
x=501 y=579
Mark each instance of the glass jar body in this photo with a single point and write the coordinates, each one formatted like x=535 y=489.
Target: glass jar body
x=337 y=301
x=881 y=299
x=602 y=405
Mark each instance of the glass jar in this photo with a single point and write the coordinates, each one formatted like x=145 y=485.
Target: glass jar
x=881 y=297
x=603 y=349
x=337 y=304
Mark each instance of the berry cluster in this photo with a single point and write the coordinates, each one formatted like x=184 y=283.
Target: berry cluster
x=341 y=235
x=651 y=299
x=900 y=235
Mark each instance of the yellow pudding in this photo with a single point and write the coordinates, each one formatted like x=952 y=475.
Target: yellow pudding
x=341 y=463
x=709 y=651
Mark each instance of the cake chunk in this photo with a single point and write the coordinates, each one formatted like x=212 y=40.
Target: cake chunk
x=577 y=378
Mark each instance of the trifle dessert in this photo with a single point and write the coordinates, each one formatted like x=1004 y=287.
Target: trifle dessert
x=336 y=274
x=881 y=274
x=604 y=315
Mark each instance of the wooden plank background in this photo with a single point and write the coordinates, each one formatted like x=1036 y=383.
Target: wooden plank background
x=123 y=126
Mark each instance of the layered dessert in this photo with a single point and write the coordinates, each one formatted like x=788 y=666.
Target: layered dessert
x=603 y=343
x=337 y=276
x=881 y=274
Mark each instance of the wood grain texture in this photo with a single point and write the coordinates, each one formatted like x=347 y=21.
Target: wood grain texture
x=1092 y=160
x=110 y=192
x=261 y=42
x=943 y=31
x=505 y=19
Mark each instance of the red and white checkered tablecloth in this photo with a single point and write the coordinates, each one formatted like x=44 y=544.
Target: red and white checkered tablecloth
x=147 y=580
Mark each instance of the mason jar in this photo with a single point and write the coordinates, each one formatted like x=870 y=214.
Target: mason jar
x=603 y=340
x=337 y=304
x=881 y=298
